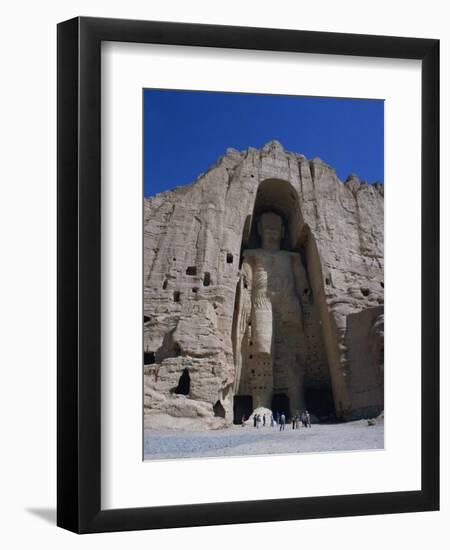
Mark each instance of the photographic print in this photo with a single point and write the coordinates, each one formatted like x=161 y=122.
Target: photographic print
x=263 y=272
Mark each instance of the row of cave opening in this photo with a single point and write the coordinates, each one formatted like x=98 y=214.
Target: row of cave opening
x=364 y=291
x=192 y=271
x=318 y=401
x=207 y=282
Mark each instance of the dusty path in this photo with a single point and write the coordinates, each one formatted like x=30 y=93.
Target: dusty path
x=238 y=441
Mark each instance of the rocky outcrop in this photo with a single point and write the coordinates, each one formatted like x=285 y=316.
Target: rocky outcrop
x=194 y=238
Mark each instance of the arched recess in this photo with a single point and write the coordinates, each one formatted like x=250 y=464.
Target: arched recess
x=297 y=366
x=279 y=196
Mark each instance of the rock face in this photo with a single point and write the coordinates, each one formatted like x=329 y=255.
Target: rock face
x=234 y=320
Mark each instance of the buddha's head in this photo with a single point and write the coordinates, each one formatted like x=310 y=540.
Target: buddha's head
x=271 y=231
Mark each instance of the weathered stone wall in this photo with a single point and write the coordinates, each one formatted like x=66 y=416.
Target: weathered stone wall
x=193 y=240
x=365 y=344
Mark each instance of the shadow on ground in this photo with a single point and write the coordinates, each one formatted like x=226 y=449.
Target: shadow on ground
x=46 y=514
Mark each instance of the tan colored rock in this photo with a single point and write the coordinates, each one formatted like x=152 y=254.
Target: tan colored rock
x=326 y=292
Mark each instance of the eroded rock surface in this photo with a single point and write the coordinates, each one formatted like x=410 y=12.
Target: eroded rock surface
x=198 y=241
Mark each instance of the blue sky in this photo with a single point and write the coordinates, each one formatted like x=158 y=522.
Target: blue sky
x=185 y=132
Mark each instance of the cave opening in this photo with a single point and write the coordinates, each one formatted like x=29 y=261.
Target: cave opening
x=149 y=357
x=242 y=408
x=184 y=383
x=218 y=409
x=280 y=405
x=319 y=402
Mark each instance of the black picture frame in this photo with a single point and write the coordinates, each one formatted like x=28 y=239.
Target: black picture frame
x=79 y=276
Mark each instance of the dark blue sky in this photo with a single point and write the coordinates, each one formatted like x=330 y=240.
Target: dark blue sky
x=185 y=132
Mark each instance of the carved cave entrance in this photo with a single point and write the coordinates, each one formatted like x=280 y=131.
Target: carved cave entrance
x=319 y=401
x=280 y=404
x=242 y=407
x=280 y=357
x=184 y=383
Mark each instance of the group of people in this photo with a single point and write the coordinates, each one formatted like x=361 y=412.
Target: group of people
x=260 y=420
x=304 y=418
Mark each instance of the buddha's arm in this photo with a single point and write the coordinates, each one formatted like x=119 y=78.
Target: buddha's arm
x=242 y=313
x=299 y=277
x=245 y=305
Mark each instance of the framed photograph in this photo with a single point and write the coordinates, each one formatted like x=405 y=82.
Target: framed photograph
x=248 y=259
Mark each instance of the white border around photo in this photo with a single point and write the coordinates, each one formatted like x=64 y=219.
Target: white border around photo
x=128 y=481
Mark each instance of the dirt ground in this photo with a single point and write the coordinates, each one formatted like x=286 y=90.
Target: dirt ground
x=247 y=441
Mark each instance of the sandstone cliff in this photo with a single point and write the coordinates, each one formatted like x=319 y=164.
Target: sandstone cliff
x=193 y=241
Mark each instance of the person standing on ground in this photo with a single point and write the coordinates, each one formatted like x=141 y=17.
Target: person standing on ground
x=264 y=419
x=293 y=421
x=254 y=420
x=308 y=420
x=272 y=421
x=282 y=422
